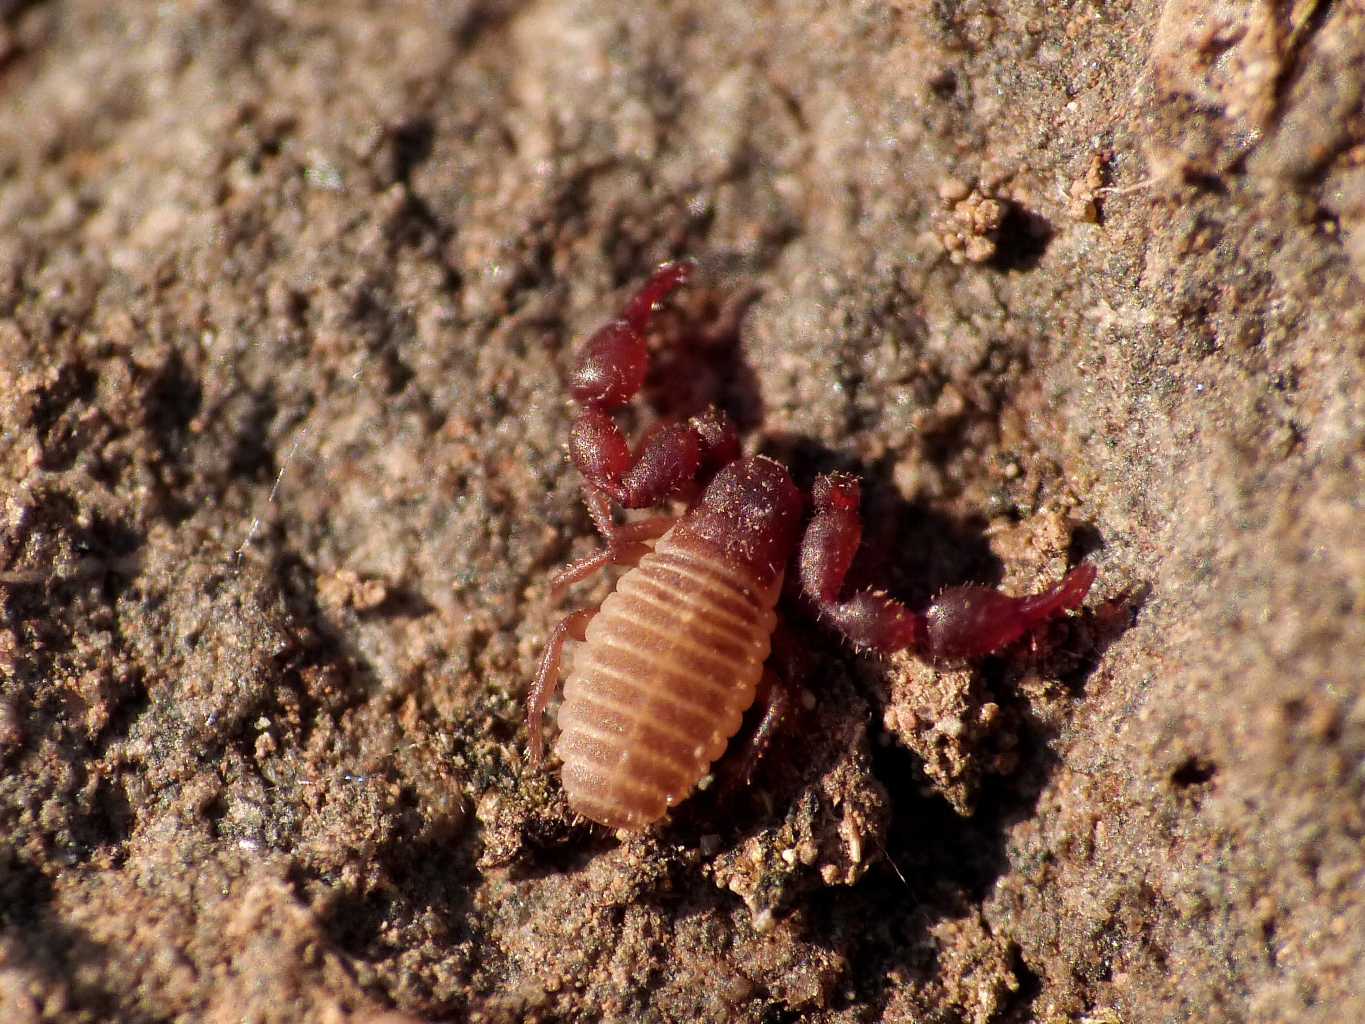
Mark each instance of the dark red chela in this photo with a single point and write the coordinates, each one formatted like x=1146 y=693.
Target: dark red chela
x=677 y=654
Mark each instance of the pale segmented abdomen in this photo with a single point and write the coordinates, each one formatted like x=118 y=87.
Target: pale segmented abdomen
x=671 y=663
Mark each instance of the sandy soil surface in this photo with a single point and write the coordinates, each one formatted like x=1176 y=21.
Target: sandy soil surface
x=288 y=295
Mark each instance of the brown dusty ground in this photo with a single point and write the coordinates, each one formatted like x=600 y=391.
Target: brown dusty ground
x=288 y=293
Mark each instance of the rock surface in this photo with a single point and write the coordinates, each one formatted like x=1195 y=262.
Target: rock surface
x=288 y=294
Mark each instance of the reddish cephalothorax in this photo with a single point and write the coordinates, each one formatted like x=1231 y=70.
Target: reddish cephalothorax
x=678 y=653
